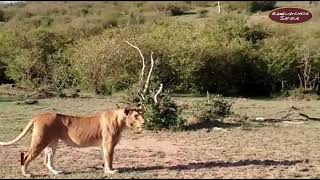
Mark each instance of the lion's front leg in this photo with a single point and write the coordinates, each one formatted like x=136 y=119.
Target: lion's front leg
x=108 y=150
x=49 y=155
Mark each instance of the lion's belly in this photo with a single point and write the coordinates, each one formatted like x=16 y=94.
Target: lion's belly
x=82 y=139
x=82 y=143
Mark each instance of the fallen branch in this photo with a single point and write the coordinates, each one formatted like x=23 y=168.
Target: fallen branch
x=290 y=122
x=309 y=118
x=263 y=119
x=273 y=120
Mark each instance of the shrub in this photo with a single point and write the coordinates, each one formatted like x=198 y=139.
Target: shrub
x=110 y=22
x=176 y=9
x=76 y=29
x=3 y=77
x=214 y=108
x=38 y=58
x=282 y=60
x=7 y=49
x=238 y=6
x=165 y=115
x=2 y=15
x=39 y=21
x=64 y=75
x=250 y=6
x=135 y=17
x=226 y=55
x=84 y=12
x=203 y=13
x=261 y=6
x=105 y=62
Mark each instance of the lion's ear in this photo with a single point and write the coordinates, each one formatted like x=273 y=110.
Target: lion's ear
x=126 y=111
x=141 y=109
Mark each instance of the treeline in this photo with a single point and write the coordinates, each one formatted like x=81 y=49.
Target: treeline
x=226 y=53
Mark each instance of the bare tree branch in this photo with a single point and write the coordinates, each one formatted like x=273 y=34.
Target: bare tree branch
x=306 y=81
x=159 y=91
x=301 y=84
x=141 y=96
x=146 y=84
x=149 y=75
x=143 y=62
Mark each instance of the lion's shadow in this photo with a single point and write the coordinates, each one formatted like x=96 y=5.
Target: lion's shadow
x=212 y=164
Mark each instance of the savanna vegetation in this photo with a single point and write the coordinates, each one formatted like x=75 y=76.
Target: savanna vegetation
x=81 y=46
x=213 y=79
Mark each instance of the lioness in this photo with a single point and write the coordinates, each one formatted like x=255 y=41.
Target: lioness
x=103 y=130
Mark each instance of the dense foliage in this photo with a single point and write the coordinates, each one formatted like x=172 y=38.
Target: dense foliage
x=81 y=45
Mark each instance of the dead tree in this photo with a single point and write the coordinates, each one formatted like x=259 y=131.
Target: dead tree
x=306 y=81
x=144 y=85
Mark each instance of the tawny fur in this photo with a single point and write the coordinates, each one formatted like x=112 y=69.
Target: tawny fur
x=103 y=130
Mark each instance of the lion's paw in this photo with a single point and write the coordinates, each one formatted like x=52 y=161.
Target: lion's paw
x=111 y=171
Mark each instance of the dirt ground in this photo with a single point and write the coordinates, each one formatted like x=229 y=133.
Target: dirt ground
x=261 y=150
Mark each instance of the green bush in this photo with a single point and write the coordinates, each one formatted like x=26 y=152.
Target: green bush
x=239 y=6
x=7 y=49
x=64 y=75
x=114 y=21
x=37 y=58
x=165 y=115
x=39 y=21
x=203 y=13
x=105 y=62
x=81 y=28
x=3 y=76
x=83 y=12
x=250 y=6
x=135 y=17
x=282 y=60
x=213 y=108
x=228 y=54
x=261 y=6
x=176 y=9
x=2 y=15
x=110 y=22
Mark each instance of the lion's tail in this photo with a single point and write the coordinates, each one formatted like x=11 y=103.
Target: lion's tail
x=21 y=135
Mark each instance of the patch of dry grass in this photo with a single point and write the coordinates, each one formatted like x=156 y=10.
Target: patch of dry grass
x=270 y=151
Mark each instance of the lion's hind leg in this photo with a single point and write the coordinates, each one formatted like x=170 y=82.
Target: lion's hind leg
x=35 y=149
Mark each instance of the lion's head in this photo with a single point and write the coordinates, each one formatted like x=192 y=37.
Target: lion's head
x=134 y=118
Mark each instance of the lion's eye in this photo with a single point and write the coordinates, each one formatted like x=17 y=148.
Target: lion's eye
x=136 y=116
